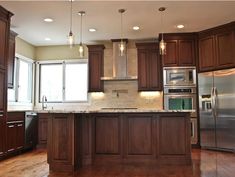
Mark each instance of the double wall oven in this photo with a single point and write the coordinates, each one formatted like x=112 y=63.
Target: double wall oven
x=180 y=93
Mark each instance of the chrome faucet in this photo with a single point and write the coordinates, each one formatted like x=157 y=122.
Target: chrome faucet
x=44 y=102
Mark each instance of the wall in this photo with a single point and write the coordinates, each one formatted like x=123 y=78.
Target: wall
x=130 y=98
x=25 y=49
x=59 y=52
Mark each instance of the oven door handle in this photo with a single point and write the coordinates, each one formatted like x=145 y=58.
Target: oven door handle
x=213 y=101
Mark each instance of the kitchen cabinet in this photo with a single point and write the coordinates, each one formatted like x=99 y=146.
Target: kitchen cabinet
x=216 y=48
x=149 y=67
x=11 y=59
x=96 y=64
x=42 y=129
x=180 y=49
x=4 y=36
x=15 y=136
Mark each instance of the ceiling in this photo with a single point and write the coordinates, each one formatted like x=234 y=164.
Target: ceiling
x=103 y=15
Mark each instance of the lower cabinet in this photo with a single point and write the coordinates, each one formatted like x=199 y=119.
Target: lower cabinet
x=15 y=136
x=42 y=129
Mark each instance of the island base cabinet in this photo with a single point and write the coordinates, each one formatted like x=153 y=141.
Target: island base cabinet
x=76 y=140
x=61 y=142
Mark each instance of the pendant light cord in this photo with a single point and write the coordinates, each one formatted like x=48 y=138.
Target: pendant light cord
x=162 y=23
x=121 y=27
x=81 y=29
x=71 y=9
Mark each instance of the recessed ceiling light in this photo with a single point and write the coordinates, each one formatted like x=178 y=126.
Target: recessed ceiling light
x=136 y=28
x=48 y=20
x=180 y=26
x=92 y=30
x=47 y=39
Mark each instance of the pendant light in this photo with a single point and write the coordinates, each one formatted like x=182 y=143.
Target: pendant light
x=162 y=44
x=122 y=45
x=71 y=36
x=80 y=47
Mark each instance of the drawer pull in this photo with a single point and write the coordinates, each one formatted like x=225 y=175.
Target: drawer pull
x=11 y=126
x=20 y=125
x=1 y=115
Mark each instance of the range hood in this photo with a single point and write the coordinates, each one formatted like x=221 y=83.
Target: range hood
x=120 y=65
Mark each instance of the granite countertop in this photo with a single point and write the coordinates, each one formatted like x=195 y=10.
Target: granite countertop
x=112 y=110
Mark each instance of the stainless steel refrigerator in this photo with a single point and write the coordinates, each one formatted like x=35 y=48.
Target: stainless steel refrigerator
x=217 y=109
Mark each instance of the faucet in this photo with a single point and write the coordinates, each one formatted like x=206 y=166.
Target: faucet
x=44 y=101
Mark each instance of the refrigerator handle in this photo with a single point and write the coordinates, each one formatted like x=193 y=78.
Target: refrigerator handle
x=216 y=101
x=212 y=102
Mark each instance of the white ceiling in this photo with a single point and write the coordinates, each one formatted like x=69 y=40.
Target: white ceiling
x=103 y=15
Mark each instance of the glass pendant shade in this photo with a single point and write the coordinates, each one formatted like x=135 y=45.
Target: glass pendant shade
x=122 y=48
x=81 y=50
x=71 y=39
x=162 y=47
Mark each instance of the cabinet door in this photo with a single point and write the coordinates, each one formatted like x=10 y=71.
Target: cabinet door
x=19 y=135
x=11 y=60
x=11 y=137
x=207 y=55
x=225 y=49
x=186 y=52
x=42 y=131
x=3 y=43
x=143 y=70
x=171 y=57
x=2 y=132
x=95 y=61
x=155 y=71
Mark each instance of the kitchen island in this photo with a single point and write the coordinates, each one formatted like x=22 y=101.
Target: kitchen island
x=77 y=139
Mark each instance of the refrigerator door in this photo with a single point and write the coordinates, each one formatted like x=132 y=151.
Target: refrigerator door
x=207 y=120
x=224 y=82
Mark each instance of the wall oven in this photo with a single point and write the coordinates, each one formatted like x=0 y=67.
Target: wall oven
x=180 y=98
x=179 y=76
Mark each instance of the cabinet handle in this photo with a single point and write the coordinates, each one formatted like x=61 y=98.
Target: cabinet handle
x=19 y=125
x=11 y=126
x=10 y=150
x=1 y=114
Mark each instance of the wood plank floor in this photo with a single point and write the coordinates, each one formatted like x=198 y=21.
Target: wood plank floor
x=205 y=164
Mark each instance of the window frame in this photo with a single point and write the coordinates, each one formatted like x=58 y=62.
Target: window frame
x=63 y=62
x=31 y=63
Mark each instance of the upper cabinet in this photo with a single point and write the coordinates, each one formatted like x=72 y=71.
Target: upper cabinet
x=149 y=67
x=96 y=64
x=216 y=48
x=180 y=49
x=11 y=59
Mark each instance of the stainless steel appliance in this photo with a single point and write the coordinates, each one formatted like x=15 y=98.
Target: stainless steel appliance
x=179 y=76
x=31 y=130
x=180 y=98
x=217 y=109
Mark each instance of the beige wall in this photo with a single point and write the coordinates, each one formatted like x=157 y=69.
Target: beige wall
x=58 y=52
x=24 y=48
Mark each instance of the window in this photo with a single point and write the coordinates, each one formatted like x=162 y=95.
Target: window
x=64 y=82
x=22 y=91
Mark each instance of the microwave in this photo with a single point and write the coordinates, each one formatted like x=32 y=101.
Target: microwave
x=179 y=76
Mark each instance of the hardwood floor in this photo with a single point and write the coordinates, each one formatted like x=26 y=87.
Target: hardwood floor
x=205 y=164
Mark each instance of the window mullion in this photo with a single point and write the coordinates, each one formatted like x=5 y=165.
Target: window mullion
x=17 y=79
x=63 y=89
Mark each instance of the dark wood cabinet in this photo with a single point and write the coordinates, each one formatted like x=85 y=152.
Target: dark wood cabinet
x=42 y=129
x=15 y=136
x=11 y=59
x=96 y=71
x=149 y=67
x=216 y=48
x=5 y=17
x=61 y=142
x=180 y=49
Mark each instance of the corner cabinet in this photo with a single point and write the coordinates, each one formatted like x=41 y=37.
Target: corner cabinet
x=96 y=71
x=216 y=48
x=11 y=59
x=149 y=67
x=180 y=49
x=5 y=17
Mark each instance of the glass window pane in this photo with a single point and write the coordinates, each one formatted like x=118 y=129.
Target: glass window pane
x=76 y=82
x=180 y=103
x=51 y=84
x=24 y=90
